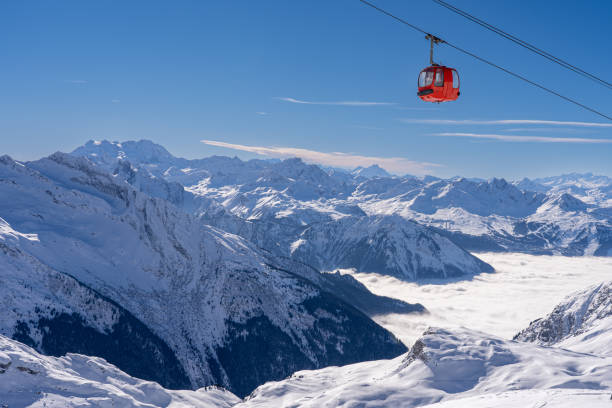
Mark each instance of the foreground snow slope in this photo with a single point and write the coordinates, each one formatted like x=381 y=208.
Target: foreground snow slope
x=551 y=398
x=220 y=304
x=28 y=379
x=582 y=322
x=442 y=365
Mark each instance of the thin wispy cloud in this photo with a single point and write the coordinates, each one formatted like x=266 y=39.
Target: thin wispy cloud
x=76 y=81
x=528 y=139
x=505 y=122
x=545 y=130
x=262 y=113
x=338 y=103
x=115 y=100
x=397 y=165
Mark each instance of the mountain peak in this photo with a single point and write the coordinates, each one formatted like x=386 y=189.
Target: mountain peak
x=372 y=171
x=568 y=202
x=141 y=151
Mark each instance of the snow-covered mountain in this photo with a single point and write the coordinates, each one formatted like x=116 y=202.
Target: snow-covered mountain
x=210 y=297
x=385 y=244
x=582 y=322
x=293 y=210
x=457 y=367
x=374 y=171
x=588 y=187
x=568 y=215
x=495 y=215
x=30 y=379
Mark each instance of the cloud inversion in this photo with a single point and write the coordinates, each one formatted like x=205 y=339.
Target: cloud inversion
x=397 y=165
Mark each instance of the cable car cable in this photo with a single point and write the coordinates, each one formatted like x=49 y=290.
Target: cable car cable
x=488 y=62
x=524 y=44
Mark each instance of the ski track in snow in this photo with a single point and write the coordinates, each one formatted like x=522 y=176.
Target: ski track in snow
x=523 y=288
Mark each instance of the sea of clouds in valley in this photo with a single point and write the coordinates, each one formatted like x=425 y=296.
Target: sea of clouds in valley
x=523 y=288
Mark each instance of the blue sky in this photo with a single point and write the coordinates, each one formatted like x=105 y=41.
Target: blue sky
x=234 y=72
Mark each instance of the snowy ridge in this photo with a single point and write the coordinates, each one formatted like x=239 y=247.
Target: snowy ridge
x=196 y=287
x=446 y=365
x=384 y=244
x=30 y=379
x=582 y=322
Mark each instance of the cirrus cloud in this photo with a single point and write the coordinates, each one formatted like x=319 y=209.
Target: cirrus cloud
x=505 y=122
x=532 y=139
x=397 y=165
x=338 y=103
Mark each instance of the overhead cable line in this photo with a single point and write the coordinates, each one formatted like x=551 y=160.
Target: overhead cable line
x=524 y=44
x=486 y=61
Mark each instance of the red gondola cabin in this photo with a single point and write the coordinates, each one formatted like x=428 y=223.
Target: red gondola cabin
x=438 y=84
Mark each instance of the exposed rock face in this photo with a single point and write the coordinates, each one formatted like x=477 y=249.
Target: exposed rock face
x=55 y=314
x=583 y=317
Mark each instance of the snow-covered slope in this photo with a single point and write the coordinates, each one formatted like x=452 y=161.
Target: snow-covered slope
x=582 y=322
x=385 y=244
x=28 y=379
x=211 y=296
x=446 y=365
x=55 y=314
x=550 y=398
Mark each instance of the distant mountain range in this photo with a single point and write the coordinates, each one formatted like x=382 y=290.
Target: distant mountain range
x=567 y=215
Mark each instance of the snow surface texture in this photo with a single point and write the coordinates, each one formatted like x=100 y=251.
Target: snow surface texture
x=551 y=398
x=448 y=365
x=211 y=296
x=568 y=215
x=28 y=379
x=523 y=288
x=582 y=322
